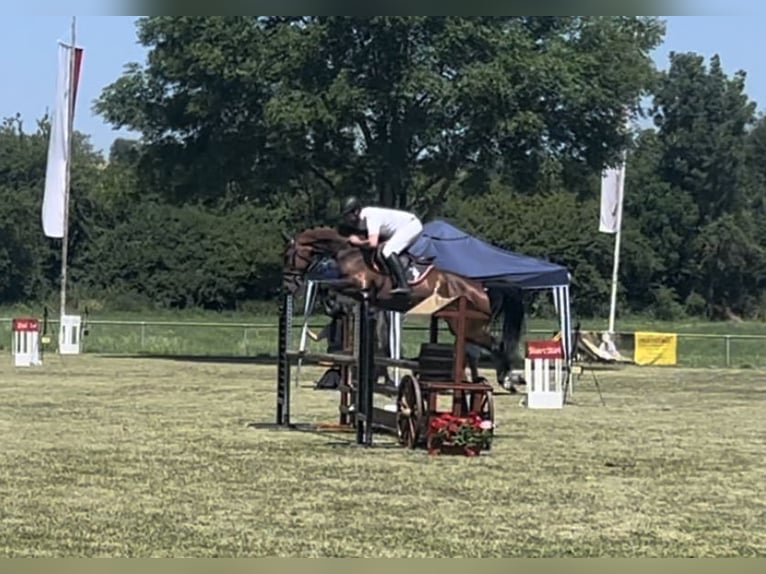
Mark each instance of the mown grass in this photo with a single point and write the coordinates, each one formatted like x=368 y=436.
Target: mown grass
x=104 y=456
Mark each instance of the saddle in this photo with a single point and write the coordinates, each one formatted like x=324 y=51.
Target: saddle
x=415 y=268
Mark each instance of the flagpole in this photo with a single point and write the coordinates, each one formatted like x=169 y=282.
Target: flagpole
x=616 y=257
x=618 y=234
x=70 y=129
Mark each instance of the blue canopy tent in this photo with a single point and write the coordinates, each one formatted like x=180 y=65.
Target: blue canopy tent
x=456 y=251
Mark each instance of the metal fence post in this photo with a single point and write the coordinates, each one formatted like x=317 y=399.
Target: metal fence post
x=727 y=339
x=143 y=334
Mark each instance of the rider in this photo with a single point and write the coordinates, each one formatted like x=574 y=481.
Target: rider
x=398 y=229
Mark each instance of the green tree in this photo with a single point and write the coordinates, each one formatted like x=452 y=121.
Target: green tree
x=698 y=210
x=664 y=220
x=30 y=262
x=703 y=117
x=393 y=108
x=731 y=267
x=23 y=256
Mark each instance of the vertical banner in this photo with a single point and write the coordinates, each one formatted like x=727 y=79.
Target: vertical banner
x=55 y=196
x=611 y=199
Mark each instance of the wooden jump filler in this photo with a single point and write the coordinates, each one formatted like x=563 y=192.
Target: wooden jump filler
x=26 y=342
x=440 y=372
x=544 y=373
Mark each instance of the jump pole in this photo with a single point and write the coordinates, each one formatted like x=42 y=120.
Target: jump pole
x=366 y=372
x=364 y=343
x=283 y=361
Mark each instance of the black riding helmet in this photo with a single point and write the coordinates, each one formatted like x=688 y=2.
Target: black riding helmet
x=351 y=204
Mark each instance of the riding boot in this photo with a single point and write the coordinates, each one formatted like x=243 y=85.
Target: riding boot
x=397 y=275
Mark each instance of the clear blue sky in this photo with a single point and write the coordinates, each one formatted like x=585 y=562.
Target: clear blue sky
x=29 y=43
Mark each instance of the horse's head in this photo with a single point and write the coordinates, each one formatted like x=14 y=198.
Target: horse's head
x=295 y=261
x=305 y=250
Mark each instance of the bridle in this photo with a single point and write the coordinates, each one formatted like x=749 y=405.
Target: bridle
x=291 y=272
x=317 y=254
x=296 y=255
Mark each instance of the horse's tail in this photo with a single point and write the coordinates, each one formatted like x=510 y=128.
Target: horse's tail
x=508 y=302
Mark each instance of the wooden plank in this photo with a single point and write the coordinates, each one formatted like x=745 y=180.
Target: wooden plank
x=387 y=390
x=401 y=363
x=451 y=386
x=431 y=305
x=335 y=358
x=378 y=388
x=435 y=363
x=446 y=350
x=438 y=306
x=384 y=419
x=339 y=359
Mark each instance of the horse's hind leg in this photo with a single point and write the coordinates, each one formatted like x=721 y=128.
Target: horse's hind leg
x=472 y=355
x=478 y=336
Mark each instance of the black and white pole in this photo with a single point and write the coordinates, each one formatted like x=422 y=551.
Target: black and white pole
x=365 y=372
x=283 y=363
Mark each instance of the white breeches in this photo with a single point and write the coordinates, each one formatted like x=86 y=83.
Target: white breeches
x=402 y=238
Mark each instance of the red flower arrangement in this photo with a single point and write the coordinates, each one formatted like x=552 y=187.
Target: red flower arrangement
x=470 y=434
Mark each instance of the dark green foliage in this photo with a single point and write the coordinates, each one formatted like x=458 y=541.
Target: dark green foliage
x=187 y=256
x=251 y=126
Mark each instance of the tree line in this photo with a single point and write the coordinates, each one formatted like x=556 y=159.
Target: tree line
x=501 y=125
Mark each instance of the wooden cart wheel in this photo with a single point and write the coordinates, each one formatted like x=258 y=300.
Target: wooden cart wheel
x=409 y=412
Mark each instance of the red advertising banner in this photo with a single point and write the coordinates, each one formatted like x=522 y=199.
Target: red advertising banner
x=26 y=325
x=545 y=350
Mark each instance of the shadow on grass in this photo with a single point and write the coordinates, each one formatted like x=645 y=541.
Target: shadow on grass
x=333 y=434
x=261 y=359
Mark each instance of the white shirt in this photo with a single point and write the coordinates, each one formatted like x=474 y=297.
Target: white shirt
x=384 y=221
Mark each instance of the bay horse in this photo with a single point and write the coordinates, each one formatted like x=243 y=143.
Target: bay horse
x=356 y=269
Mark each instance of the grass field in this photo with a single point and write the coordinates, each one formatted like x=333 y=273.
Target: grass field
x=113 y=456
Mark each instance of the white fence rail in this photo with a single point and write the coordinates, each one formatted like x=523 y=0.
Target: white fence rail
x=252 y=339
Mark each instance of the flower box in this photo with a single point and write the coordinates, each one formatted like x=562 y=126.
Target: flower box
x=450 y=434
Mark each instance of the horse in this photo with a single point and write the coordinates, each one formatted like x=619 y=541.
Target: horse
x=357 y=269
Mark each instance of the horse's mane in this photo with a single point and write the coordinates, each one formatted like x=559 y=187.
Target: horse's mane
x=321 y=233
x=323 y=237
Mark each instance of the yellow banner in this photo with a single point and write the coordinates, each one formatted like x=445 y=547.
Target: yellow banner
x=656 y=348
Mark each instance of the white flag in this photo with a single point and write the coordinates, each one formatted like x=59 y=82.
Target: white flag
x=612 y=186
x=54 y=198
